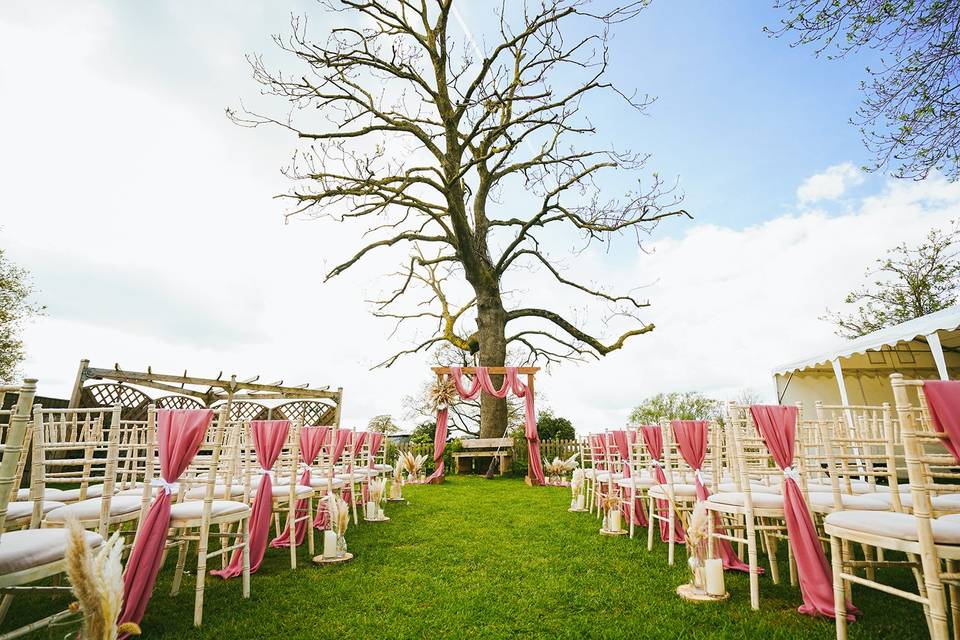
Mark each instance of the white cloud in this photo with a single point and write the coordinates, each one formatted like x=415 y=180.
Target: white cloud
x=829 y=184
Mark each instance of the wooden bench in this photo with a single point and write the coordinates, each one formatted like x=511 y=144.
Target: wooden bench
x=474 y=448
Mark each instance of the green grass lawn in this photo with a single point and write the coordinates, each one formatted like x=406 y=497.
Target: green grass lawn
x=474 y=558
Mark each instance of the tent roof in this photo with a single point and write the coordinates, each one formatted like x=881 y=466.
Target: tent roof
x=944 y=320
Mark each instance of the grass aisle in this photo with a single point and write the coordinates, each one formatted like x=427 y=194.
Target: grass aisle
x=494 y=559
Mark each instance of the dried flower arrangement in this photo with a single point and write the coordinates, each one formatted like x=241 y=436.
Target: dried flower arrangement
x=412 y=464
x=97 y=582
x=443 y=394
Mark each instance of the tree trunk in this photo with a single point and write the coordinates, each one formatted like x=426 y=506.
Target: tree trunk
x=491 y=325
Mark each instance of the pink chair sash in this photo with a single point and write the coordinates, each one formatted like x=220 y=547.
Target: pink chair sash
x=268 y=439
x=943 y=399
x=653 y=439
x=691 y=437
x=322 y=520
x=635 y=509
x=180 y=433
x=777 y=426
x=311 y=442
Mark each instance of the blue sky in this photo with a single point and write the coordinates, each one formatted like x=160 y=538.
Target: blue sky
x=149 y=221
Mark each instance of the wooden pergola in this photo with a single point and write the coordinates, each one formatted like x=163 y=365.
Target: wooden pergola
x=186 y=390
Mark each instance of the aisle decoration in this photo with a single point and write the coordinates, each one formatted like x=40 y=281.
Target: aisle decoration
x=413 y=464
x=706 y=574
x=373 y=508
x=577 y=499
x=653 y=439
x=691 y=437
x=557 y=470
x=396 y=483
x=635 y=510
x=334 y=538
x=96 y=580
x=312 y=440
x=268 y=439
x=179 y=435
x=777 y=426
x=322 y=520
x=612 y=517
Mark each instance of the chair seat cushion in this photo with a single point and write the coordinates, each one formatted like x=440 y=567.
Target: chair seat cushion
x=681 y=489
x=605 y=476
x=755 y=487
x=48 y=494
x=642 y=481
x=21 y=550
x=859 y=487
x=903 y=526
x=322 y=482
x=193 y=509
x=219 y=491
x=72 y=495
x=283 y=491
x=89 y=509
x=20 y=510
x=381 y=467
x=738 y=499
x=942 y=502
x=862 y=502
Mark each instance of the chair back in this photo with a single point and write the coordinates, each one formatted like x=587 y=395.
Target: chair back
x=14 y=445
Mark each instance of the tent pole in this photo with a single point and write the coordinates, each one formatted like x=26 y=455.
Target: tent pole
x=936 y=349
x=845 y=401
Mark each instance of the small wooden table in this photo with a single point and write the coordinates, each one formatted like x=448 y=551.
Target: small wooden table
x=474 y=448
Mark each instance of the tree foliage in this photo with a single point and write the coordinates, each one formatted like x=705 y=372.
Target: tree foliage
x=423 y=433
x=910 y=114
x=908 y=282
x=15 y=308
x=383 y=424
x=687 y=405
x=473 y=157
x=553 y=427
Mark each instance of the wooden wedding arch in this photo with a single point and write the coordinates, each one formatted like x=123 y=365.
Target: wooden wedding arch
x=96 y=387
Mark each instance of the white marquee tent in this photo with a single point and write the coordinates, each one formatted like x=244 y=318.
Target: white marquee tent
x=858 y=371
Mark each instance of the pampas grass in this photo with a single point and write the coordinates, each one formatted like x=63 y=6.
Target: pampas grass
x=97 y=582
x=376 y=489
x=342 y=517
x=412 y=464
x=443 y=394
x=560 y=467
x=696 y=529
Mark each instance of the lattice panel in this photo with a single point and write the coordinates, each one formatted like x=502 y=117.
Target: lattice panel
x=307 y=411
x=244 y=410
x=134 y=402
x=177 y=402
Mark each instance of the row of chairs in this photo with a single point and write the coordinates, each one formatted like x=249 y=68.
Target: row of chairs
x=875 y=477
x=94 y=466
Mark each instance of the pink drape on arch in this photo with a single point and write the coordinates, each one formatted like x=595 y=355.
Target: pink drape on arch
x=180 y=433
x=376 y=441
x=337 y=446
x=943 y=399
x=311 y=442
x=691 y=438
x=268 y=439
x=511 y=382
x=777 y=426
x=653 y=439
x=635 y=510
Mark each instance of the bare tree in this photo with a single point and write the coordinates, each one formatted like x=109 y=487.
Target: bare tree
x=16 y=307
x=419 y=138
x=910 y=116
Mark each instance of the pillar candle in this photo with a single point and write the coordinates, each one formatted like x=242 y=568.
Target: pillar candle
x=380 y=514
x=714 y=571
x=329 y=544
x=371 y=511
x=581 y=502
x=613 y=520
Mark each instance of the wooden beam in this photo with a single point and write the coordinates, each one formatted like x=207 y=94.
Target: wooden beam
x=496 y=371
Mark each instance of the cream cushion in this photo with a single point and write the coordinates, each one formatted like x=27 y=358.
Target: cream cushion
x=942 y=502
x=738 y=499
x=320 y=482
x=219 y=491
x=87 y=510
x=283 y=490
x=863 y=502
x=859 y=487
x=641 y=481
x=72 y=495
x=382 y=467
x=755 y=487
x=48 y=494
x=18 y=510
x=605 y=476
x=21 y=550
x=903 y=526
x=193 y=509
x=680 y=489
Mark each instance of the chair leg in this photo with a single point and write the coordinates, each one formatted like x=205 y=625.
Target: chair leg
x=868 y=556
x=201 y=574
x=752 y=561
x=181 y=561
x=310 y=542
x=651 y=525
x=245 y=529
x=5 y=605
x=224 y=543
x=632 y=509
x=292 y=519
x=771 y=543
x=954 y=593
x=672 y=515
x=792 y=562
x=839 y=592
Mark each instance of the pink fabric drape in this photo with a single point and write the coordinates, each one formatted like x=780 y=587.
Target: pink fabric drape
x=691 y=438
x=268 y=439
x=777 y=426
x=943 y=399
x=653 y=439
x=180 y=433
x=635 y=510
x=530 y=428
x=311 y=442
x=338 y=445
x=376 y=441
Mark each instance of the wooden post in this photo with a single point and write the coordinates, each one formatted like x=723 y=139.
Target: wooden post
x=78 y=385
x=336 y=413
